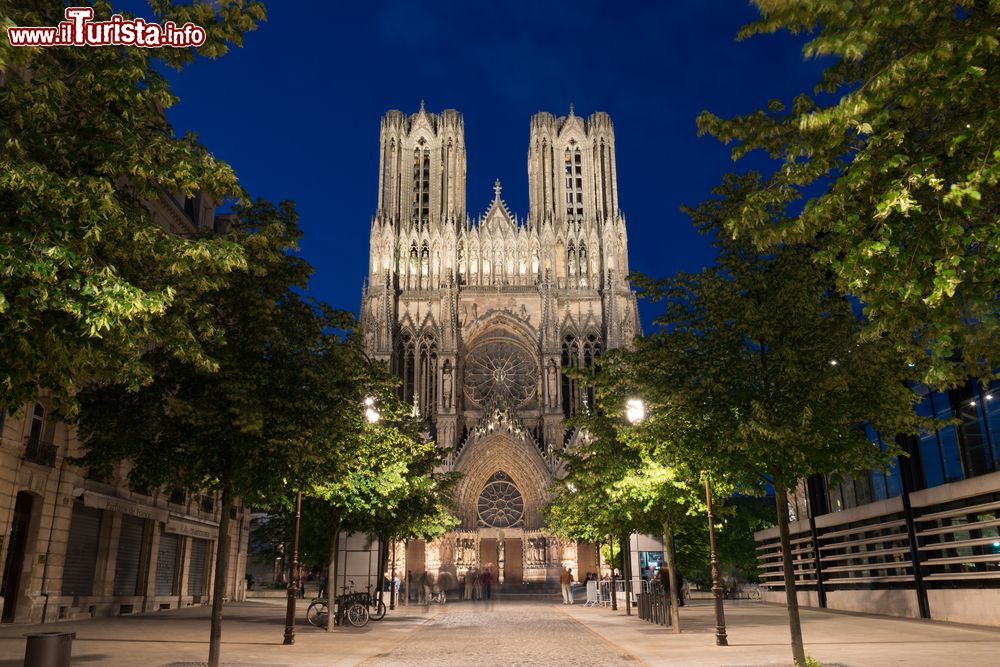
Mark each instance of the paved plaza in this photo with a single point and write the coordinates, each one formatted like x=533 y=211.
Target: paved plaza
x=514 y=633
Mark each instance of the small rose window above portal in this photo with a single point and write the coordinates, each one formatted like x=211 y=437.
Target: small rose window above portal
x=500 y=504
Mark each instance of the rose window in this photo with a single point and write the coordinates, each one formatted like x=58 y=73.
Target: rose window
x=500 y=370
x=500 y=504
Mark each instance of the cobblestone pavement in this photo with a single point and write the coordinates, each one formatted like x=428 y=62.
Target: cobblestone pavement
x=510 y=633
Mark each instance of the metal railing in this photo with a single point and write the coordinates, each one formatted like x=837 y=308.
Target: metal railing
x=40 y=452
x=948 y=540
x=649 y=598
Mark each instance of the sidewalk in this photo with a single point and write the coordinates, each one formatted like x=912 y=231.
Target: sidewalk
x=758 y=635
x=252 y=634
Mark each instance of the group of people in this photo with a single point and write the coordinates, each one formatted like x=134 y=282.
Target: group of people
x=478 y=584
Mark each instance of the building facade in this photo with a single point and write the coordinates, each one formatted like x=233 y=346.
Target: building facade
x=77 y=545
x=920 y=540
x=480 y=316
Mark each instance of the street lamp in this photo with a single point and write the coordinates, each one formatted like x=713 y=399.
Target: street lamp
x=293 y=576
x=635 y=411
x=720 y=614
x=371 y=412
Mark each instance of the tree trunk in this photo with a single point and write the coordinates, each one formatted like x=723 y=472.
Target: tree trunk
x=627 y=573
x=221 y=574
x=791 y=597
x=383 y=563
x=331 y=572
x=675 y=606
x=614 y=580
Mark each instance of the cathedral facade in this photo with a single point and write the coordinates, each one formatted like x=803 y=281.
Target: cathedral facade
x=480 y=316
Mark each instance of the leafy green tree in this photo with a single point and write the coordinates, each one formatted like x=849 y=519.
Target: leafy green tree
x=281 y=403
x=898 y=149
x=613 y=485
x=384 y=481
x=759 y=373
x=88 y=280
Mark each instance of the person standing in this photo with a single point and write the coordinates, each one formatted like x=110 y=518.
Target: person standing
x=565 y=583
x=488 y=583
x=427 y=584
x=477 y=585
x=470 y=579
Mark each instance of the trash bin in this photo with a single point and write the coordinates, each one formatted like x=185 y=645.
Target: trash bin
x=48 y=649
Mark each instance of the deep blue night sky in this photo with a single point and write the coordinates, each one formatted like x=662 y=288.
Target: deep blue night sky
x=296 y=111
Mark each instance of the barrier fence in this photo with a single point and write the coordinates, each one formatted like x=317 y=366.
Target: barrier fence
x=649 y=598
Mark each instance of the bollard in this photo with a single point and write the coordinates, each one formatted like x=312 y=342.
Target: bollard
x=48 y=649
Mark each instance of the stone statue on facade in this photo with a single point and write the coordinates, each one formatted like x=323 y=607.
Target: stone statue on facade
x=552 y=378
x=447 y=386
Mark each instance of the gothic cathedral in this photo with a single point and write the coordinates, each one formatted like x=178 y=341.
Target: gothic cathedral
x=479 y=317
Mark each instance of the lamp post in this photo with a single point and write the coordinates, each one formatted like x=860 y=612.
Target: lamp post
x=373 y=416
x=720 y=614
x=635 y=411
x=293 y=576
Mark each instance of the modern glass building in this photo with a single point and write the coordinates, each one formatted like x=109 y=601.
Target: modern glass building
x=920 y=540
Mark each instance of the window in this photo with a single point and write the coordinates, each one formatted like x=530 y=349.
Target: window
x=407 y=372
x=570 y=359
x=973 y=429
x=37 y=424
x=591 y=351
x=500 y=503
x=573 y=163
x=939 y=450
x=418 y=370
x=421 y=185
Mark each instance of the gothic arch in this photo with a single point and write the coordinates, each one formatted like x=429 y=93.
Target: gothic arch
x=516 y=457
x=502 y=320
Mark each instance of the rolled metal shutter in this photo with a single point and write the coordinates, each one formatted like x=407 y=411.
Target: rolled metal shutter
x=81 y=551
x=166 y=564
x=129 y=556
x=199 y=562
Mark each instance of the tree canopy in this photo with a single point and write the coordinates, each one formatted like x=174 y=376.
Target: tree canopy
x=897 y=149
x=88 y=281
x=760 y=373
x=281 y=409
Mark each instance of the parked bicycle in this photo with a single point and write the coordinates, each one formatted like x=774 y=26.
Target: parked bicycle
x=376 y=608
x=352 y=607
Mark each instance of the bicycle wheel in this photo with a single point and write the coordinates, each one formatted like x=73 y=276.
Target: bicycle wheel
x=755 y=594
x=357 y=615
x=316 y=614
x=377 y=611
